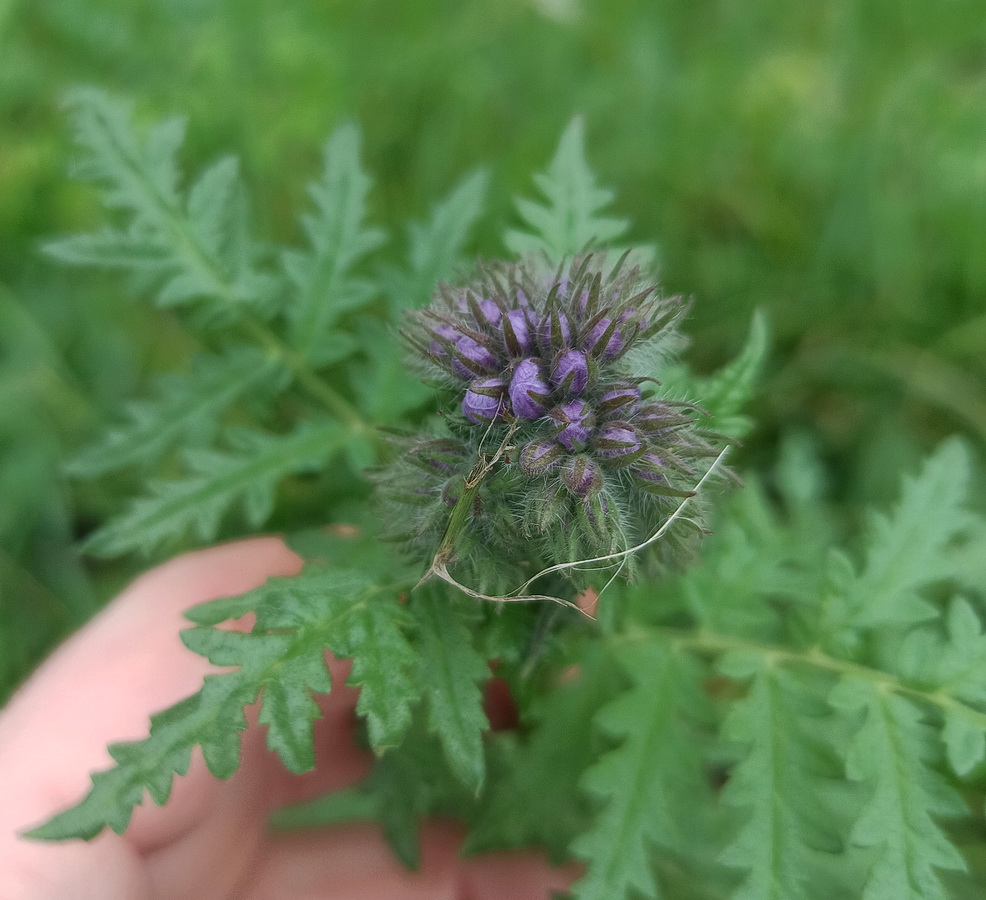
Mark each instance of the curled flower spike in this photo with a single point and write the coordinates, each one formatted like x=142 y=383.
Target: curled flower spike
x=555 y=450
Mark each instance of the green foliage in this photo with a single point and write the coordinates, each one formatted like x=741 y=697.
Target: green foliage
x=569 y=222
x=450 y=673
x=801 y=714
x=282 y=658
x=780 y=785
x=219 y=479
x=326 y=287
x=650 y=783
x=895 y=753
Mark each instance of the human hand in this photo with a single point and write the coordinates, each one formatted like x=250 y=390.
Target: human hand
x=211 y=840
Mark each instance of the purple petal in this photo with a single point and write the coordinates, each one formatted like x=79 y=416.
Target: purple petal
x=528 y=390
x=483 y=401
x=554 y=332
x=574 y=421
x=571 y=372
x=651 y=468
x=604 y=339
x=616 y=440
x=472 y=358
x=447 y=334
x=620 y=398
x=489 y=312
x=516 y=333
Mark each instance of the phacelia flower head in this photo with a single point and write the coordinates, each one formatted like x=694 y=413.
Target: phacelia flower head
x=550 y=392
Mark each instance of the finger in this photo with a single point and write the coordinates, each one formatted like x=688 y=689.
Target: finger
x=344 y=863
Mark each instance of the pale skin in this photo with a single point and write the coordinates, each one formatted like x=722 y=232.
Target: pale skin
x=211 y=841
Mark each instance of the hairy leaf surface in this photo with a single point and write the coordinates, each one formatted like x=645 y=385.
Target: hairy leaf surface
x=650 y=782
x=894 y=753
x=326 y=285
x=779 y=786
x=282 y=658
x=450 y=675
x=247 y=475
x=186 y=411
x=907 y=550
x=199 y=247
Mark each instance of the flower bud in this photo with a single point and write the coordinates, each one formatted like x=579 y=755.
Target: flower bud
x=581 y=476
x=616 y=440
x=486 y=312
x=539 y=457
x=570 y=373
x=516 y=333
x=621 y=399
x=574 y=421
x=654 y=418
x=651 y=468
x=554 y=332
x=441 y=457
x=603 y=340
x=528 y=390
x=483 y=401
x=472 y=358
x=442 y=336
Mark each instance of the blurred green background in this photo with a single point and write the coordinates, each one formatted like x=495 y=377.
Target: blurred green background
x=824 y=161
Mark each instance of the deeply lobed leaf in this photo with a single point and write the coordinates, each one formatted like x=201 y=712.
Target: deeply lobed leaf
x=651 y=783
x=282 y=658
x=247 y=475
x=570 y=219
x=894 y=752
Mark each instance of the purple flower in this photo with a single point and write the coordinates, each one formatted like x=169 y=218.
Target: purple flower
x=442 y=334
x=554 y=332
x=473 y=358
x=571 y=372
x=528 y=390
x=488 y=312
x=582 y=476
x=604 y=339
x=574 y=421
x=483 y=401
x=621 y=398
x=617 y=440
x=539 y=457
x=516 y=333
x=653 y=418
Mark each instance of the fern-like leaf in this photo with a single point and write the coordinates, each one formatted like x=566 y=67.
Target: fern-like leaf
x=651 y=782
x=895 y=753
x=570 y=219
x=186 y=411
x=778 y=785
x=547 y=764
x=247 y=474
x=451 y=671
x=953 y=665
x=282 y=658
x=385 y=666
x=198 y=248
x=908 y=551
x=435 y=246
x=326 y=287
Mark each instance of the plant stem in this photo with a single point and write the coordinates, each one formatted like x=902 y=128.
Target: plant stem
x=702 y=641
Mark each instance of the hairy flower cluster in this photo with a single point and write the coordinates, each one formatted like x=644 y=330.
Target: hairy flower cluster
x=556 y=370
